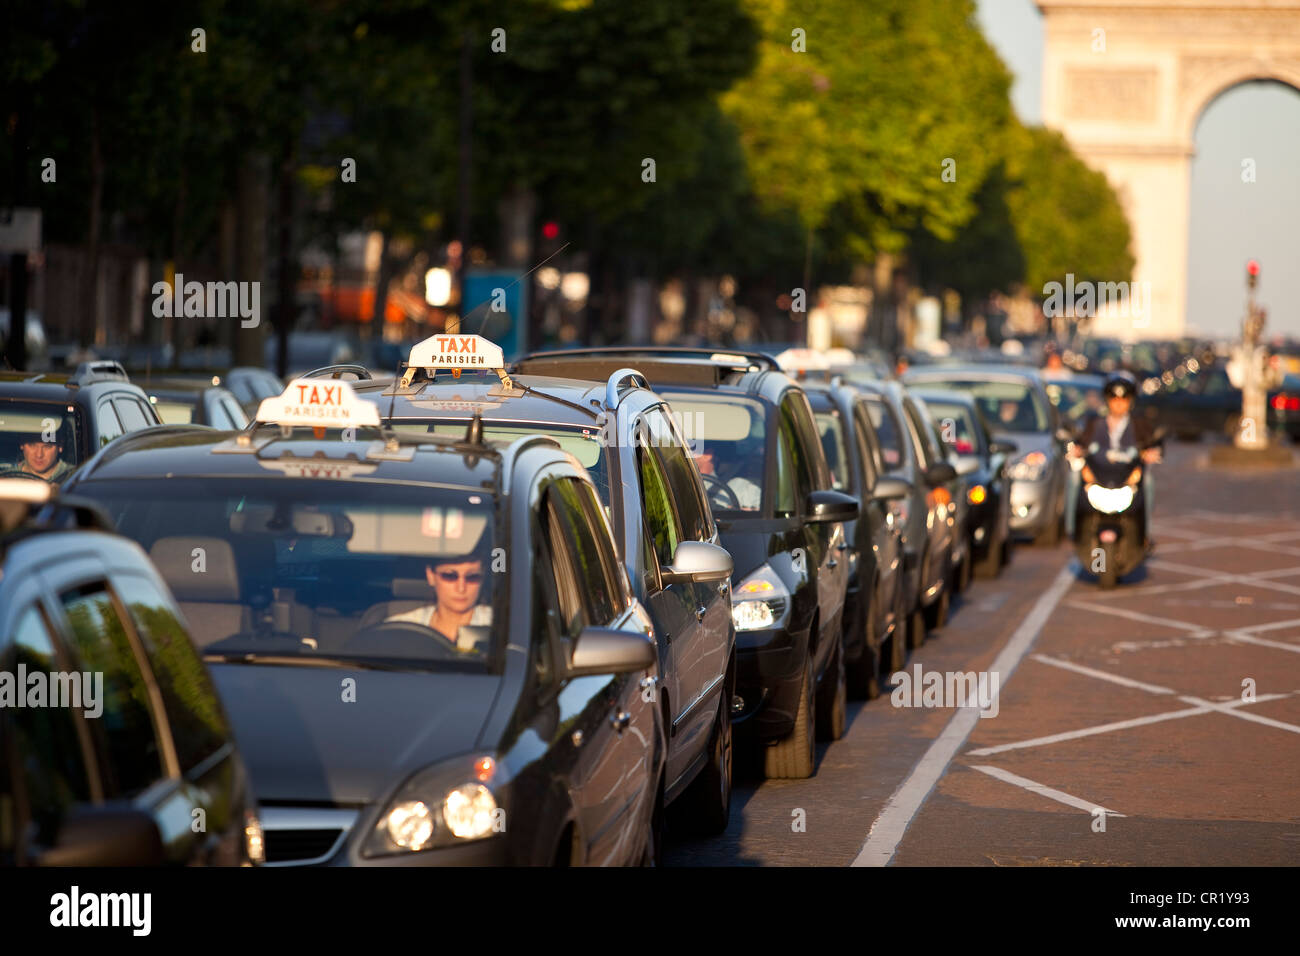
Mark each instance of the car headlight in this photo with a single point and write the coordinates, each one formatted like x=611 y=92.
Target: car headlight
x=1110 y=501
x=977 y=494
x=440 y=806
x=254 y=839
x=1031 y=467
x=760 y=601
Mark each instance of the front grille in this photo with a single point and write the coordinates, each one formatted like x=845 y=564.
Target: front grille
x=288 y=846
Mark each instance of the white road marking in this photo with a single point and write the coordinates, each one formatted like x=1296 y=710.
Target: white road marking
x=1102 y=675
x=1244 y=715
x=1043 y=790
x=888 y=829
x=1203 y=708
x=1144 y=618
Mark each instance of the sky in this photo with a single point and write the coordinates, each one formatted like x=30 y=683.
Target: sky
x=1231 y=221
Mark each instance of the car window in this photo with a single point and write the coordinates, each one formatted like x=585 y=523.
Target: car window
x=957 y=429
x=589 y=558
x=866 y=450
x=803 y=469
x=918 y=427
x=100 y=641
x=605 y=576
x=133 y=417
x=683 y=477
x=198 y=728
x=561 y=568
x=234 y=411
x=818 y=474
x=53 y=759
x=26 y=426
x=1008 y=406
x=831 y=431
x=889 y=434
x=107 y=424
x=242 y=389
x=660 y=516
x=785 y=478
x=729 y=443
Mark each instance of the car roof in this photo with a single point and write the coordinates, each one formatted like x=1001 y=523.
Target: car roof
x=941 y=395
x=675 y=369
x=991 y=373
x=183 y=451
x=534 y=399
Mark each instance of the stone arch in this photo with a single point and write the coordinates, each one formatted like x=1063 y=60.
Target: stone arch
x=1204 y=90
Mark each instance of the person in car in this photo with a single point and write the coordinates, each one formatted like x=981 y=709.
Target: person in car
x=457 y=585
x=43 y=459
x=748 y=493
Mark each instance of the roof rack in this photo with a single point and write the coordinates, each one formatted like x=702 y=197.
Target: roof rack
x=104 y=370
x=334 y=371
x=622 y=375
x=718 y=356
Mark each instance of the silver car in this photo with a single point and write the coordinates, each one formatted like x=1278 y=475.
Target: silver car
x=1017 y=407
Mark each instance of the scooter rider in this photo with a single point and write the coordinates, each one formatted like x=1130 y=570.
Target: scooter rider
x=1115 y=431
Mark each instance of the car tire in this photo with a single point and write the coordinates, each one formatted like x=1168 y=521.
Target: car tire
x=792 y=758
x=990 y=566
x=833 y=707
x=708 y=799
x=863 y=674
x=936 y=615
x=652 y=854
x=892 y=662
x=916 y=629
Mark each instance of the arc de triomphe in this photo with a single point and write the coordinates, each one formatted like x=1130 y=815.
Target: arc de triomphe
x=1126 y=83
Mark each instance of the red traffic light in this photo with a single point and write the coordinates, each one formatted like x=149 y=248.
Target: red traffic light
x=1252 y=268
x=551 y=230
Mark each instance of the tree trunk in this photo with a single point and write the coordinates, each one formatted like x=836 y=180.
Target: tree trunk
x=89 y=324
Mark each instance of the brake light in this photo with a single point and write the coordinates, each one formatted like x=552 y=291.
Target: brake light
x=1286 y=403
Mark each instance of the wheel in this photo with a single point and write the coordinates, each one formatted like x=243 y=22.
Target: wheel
x=863 y=674
x=833 y=709
x=990 y=566
x=892 y=662
x=654 y=841
x=708 y=799
x=936 y=615
x=1108 y=577
x=792 y=758
x=916 y=629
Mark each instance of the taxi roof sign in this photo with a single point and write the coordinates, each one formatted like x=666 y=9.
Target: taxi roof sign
x=318 y=403
x=457 y=352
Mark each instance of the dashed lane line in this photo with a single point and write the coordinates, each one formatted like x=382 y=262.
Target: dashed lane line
x=888 y=829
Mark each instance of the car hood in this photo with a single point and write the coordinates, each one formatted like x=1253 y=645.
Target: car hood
x=752 y=541
x=301 y=741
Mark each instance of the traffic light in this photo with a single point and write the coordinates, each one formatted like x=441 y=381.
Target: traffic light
x=1252 y=273
x=550 y=229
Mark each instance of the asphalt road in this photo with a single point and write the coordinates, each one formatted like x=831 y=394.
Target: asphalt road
x=1121 y=737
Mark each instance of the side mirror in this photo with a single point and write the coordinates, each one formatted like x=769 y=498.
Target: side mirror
x=968 y=464
x=890 y=489
x=606 y=651
x=940 y=473
x=698 y=562
x=826 y=505
x=106 y=836
x=1001 y=446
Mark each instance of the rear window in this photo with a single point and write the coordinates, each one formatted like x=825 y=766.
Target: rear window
x=39 y=438
x=956 y=427
x=1008 y=406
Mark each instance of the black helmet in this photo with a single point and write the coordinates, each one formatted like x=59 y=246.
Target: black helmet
x=1120 y=384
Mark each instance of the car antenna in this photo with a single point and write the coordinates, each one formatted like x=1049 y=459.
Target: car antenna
x=482 y=305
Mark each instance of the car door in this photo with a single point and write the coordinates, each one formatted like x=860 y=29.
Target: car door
x=580 y=571
x=822 y=538
x=702 y=663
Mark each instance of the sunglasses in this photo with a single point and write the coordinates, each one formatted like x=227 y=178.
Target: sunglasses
x=470 y=577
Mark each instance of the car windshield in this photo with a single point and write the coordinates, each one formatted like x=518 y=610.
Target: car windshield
x=38 y=439
x=324 y=569
x=956 y=426
x=728 y=437
x=830 y=429
x=582 y=443
x=1076 y=400
x=888 y=432
x=1008 y=406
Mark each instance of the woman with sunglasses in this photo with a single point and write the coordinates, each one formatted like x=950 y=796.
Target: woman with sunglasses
x=457 y=584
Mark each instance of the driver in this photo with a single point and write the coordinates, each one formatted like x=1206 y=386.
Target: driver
x=1115 y=431
x=748 y=494
x=42 y=459
x=457 y=584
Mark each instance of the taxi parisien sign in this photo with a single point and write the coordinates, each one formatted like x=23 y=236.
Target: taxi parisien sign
x=312 y=402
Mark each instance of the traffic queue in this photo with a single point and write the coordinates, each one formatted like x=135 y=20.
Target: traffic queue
x=479 y=614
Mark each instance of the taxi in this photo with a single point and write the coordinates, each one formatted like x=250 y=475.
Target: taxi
x=428 y=648
x=631 y=443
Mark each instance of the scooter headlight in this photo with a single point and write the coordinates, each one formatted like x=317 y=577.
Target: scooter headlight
x=1110 y=501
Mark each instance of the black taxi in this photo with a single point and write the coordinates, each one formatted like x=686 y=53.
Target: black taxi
x=427 y=645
